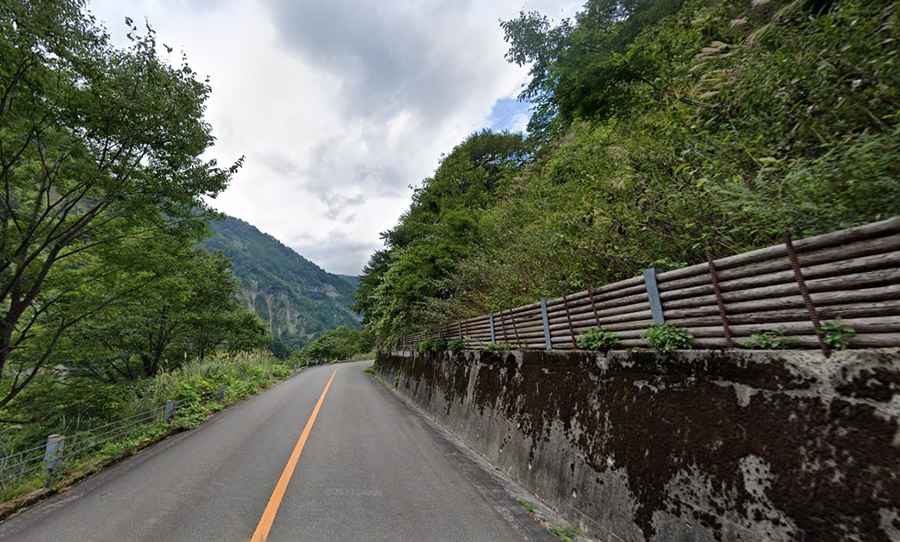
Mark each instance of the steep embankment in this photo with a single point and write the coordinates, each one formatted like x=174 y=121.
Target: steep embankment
x=295 y=297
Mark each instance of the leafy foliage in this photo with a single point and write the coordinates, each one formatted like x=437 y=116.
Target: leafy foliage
x=579 y=68
x=767 y=340
x=432 y=345
x=598 y=339
x=499 y=347
x=435 y=234
x=667 y=338
x=837 y=335
x=341 y=343
x=100 y=155
x=107 y=307
x=78 y=407
x=190 y=311
x=662 y=130
x=456 y=345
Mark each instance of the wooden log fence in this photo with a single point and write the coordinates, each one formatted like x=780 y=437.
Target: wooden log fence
x=793 y=288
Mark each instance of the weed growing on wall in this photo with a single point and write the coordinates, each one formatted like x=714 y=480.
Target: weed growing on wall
x=499 y=347
x=598 y=340
x=837 y=335
x=432 y=345
x=456 y=345
x=767 y=340
x=666 y=338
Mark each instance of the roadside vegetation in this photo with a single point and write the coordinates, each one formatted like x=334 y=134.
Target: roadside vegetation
x=85 y=412
x=107 y=305
x=340 y=344
x=662 y=130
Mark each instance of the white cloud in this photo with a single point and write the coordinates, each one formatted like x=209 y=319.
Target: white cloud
x=338 y=105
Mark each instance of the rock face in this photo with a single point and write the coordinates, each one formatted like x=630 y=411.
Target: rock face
x=296 y=298
x=705 y=446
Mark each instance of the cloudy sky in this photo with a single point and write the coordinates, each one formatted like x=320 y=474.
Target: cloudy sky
x=339 y=105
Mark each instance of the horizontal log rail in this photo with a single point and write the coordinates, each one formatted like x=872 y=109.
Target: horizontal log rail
x=792 y=288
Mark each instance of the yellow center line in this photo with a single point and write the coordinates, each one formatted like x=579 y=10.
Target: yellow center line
x=268 y=515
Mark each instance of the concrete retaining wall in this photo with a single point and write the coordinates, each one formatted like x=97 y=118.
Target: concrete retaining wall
x=705 y=446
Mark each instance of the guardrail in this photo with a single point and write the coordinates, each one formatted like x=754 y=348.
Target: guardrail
x=60 y=451
x=793 y=288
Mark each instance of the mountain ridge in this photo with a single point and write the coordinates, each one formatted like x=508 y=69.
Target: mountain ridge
x=297 y=299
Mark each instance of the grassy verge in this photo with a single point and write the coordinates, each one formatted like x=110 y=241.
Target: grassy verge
x=194 y=386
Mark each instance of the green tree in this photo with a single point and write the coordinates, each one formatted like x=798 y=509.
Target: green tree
x=188 y=310
x=439 y=229
x=579 y=68
x=664 y=130
x=94 y=142
x=337 y=344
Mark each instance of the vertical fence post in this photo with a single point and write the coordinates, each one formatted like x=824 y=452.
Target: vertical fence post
x=656 y=309
x=169 y=411
x=804 y=292
x=717 y=289
x=491 y=321
x=548 y=342
x=516 y=332
x=53 y=456
x=591 y=293
x=569 y=321
x=220 y=393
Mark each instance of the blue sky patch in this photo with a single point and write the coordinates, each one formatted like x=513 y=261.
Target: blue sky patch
x=509 y=114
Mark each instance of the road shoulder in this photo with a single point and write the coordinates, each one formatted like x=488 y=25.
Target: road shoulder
x=519 y=507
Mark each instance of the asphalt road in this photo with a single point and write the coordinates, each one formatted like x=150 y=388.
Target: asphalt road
x=370 y=469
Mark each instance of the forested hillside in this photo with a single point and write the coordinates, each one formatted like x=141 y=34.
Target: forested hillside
x=662 y=130
x=295 y=298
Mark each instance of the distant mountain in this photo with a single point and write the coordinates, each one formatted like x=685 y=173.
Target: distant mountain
x=352 y=279
x=295 y=297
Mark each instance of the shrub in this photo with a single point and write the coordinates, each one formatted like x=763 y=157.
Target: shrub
x=666 y=338
x=498 y=347
x=767 y=340
x=432 y=345
x=456 y=345
x=193 y=385
x=598 y=339
x=837 y=335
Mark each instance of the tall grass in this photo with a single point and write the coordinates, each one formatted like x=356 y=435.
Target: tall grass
x=194 y=386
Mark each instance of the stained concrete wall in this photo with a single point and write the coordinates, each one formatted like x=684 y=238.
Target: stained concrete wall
x=695 y=446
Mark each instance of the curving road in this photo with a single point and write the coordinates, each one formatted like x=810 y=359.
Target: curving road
x=369 y=469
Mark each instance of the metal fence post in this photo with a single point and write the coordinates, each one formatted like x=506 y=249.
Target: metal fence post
x=548 y=343
x=656 y=309
x=720 y=301
x=800 y=279
x=53 y=455
x=169 y=411
x=493 y=334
